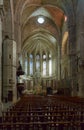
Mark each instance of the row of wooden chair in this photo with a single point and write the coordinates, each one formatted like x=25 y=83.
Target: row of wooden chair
x=35 y=112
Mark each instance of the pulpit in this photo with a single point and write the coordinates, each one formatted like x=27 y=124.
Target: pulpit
x=20 y=82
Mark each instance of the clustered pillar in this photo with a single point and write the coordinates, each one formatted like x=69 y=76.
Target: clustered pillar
x=9 y=70
x=0 y=59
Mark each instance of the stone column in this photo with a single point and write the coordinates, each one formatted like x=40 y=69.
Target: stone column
x=72 y=56
x=80 y=47
x=9 y=70
x=81 y=81
x=59 y=60
x=1 y=16
x=41 y=63
x=13 y=65
x=73 y=76
x=80 y=53
x=53 y=65
x=34 y=64
x=23 y=62
x=27 y=64
x=56 y=65
x=47 y=64
x=0 y=59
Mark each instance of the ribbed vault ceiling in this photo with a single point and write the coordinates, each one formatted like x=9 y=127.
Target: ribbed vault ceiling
x=40 y=43
x=37 y=37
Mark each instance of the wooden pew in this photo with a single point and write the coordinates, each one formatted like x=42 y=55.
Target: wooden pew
x=44 y=112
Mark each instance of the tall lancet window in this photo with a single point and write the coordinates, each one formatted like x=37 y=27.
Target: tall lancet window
x=31 y=64
x=50 y=65
x=26 y=66
x=37 y=62
x=44 y=65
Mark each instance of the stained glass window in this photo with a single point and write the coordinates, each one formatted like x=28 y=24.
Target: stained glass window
x=31 y=64
x=50 y=65
x=26 y=65
x=37 y=63
x=44 y=65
